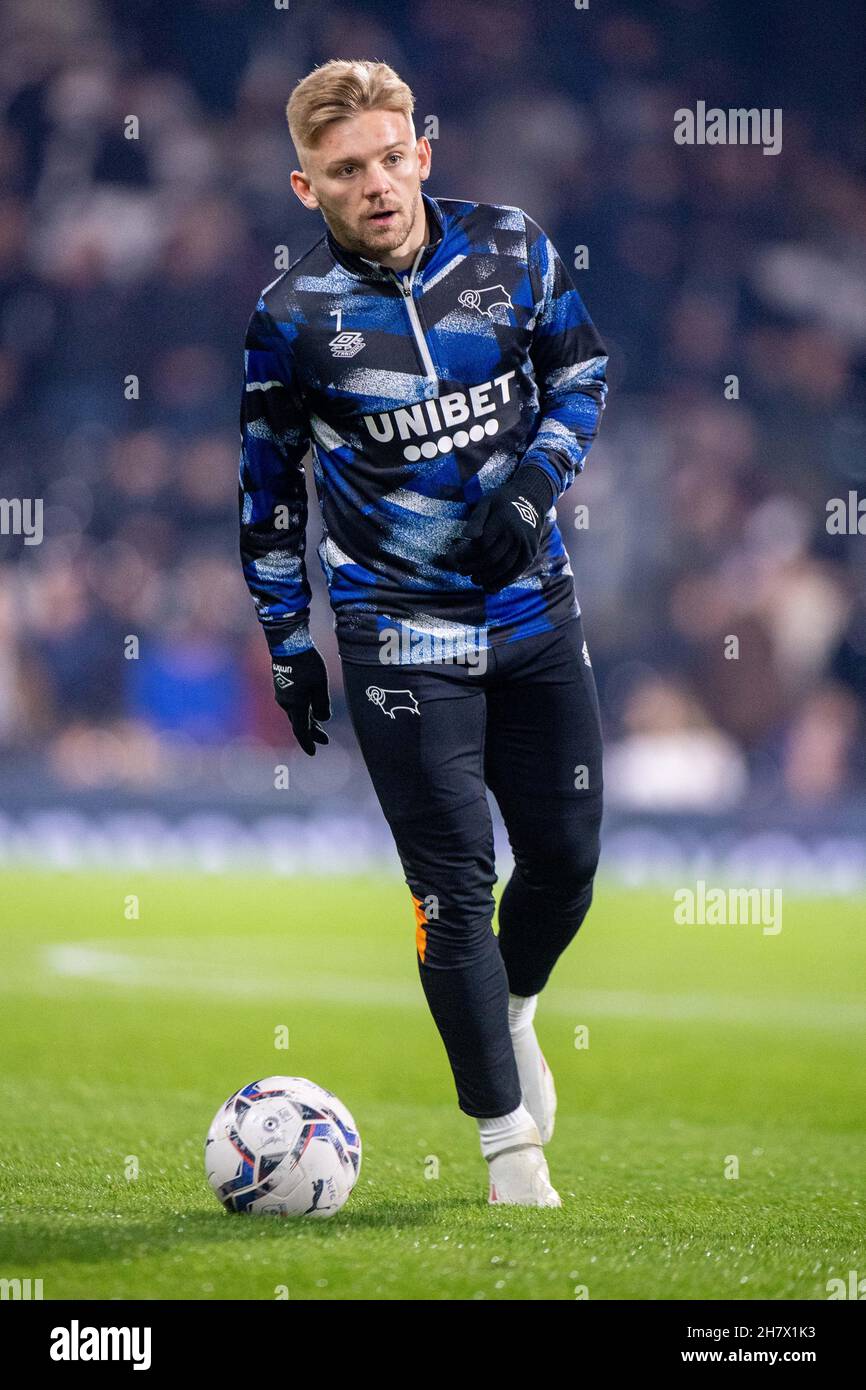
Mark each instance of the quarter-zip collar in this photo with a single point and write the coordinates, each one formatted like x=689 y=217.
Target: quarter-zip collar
x=365 y=269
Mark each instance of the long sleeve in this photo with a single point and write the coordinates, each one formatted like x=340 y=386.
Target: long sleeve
x=272 y=495
x=569 y=359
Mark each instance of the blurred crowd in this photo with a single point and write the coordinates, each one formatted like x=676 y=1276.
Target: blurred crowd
x=727 y=624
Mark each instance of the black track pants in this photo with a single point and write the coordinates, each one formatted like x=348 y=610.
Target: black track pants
x=434 y=737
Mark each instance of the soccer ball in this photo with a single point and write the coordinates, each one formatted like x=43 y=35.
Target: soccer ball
x=283 y=1145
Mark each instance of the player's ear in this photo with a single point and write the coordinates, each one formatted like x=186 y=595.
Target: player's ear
x=302 y=187
x=424 y=152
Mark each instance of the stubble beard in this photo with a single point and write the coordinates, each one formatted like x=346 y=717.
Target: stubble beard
x=374 y=243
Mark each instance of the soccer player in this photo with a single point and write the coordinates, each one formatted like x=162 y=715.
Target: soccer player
x=438 y=359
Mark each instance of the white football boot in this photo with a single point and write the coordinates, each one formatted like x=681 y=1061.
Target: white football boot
x=536 y=1078
x=519 y=1177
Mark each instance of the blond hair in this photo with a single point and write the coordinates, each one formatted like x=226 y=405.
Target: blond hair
x=339 y=89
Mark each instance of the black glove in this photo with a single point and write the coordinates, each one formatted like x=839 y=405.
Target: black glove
x=503 y=533
x=301 y=689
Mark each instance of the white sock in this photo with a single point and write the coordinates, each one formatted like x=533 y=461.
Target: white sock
x=505 y=1131
x=521 y=1012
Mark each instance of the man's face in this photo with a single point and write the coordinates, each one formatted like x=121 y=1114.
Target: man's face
x=365 y=175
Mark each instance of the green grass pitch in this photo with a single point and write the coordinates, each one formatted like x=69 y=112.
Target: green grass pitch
x=710 y=1048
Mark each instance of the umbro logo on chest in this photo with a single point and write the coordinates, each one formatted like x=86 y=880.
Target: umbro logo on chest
x=347 y=344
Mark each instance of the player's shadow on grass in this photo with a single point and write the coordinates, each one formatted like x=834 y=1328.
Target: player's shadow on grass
x=102 y=1240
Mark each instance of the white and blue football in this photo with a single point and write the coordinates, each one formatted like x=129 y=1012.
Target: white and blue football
x=283 y=1146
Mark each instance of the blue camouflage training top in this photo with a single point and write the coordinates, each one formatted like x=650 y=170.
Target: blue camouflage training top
x=419 y=392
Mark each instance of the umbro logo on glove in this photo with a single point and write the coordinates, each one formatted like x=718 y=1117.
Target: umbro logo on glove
x=496 y=548
x=526 y=510
x=305 y=698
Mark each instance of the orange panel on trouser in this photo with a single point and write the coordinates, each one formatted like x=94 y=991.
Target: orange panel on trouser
x=420 y=927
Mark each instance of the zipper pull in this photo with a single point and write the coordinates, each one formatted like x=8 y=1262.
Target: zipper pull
x=407 y=285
